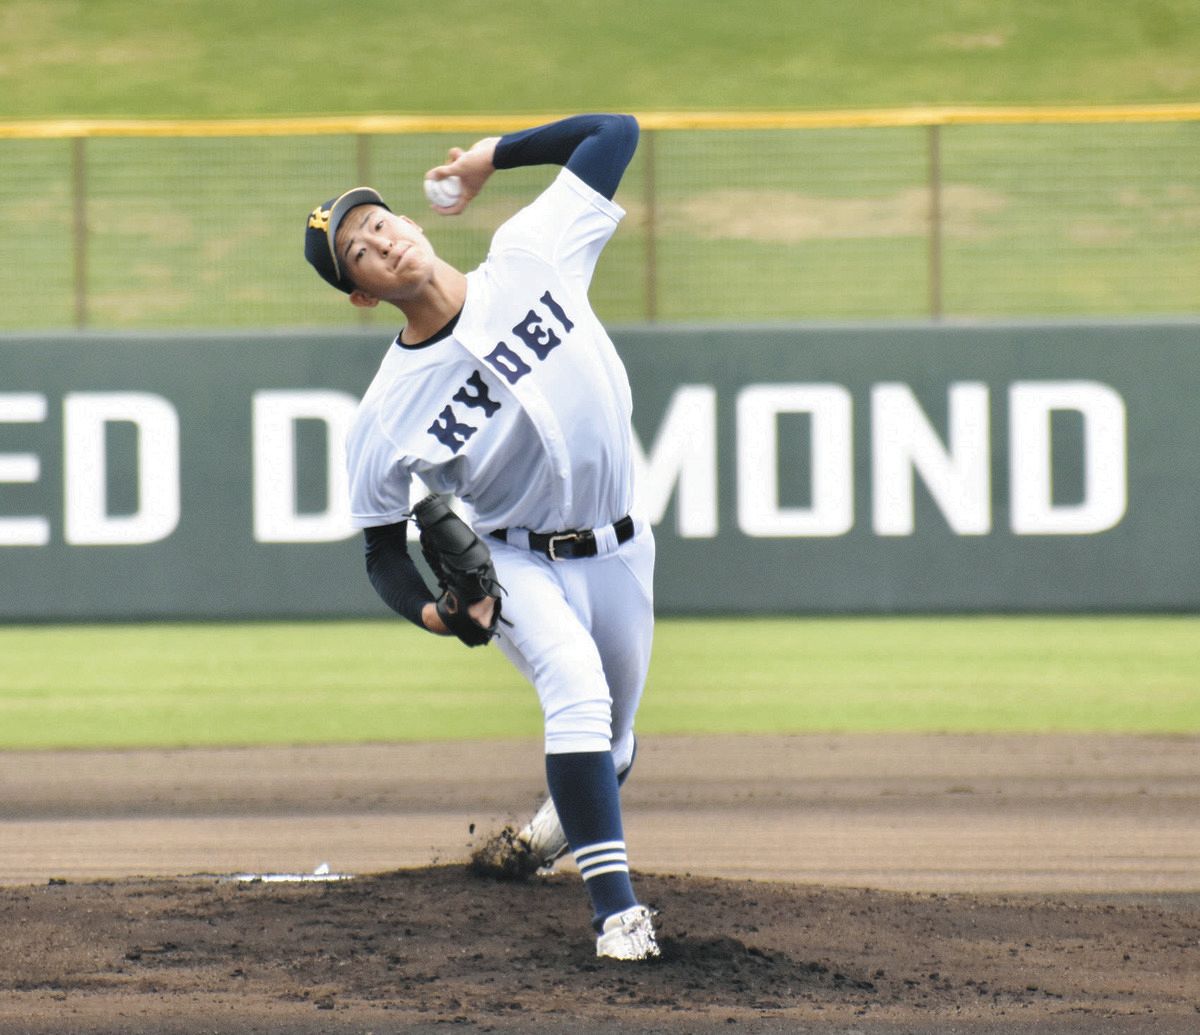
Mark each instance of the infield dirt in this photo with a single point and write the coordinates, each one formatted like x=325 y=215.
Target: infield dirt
x=805 y=884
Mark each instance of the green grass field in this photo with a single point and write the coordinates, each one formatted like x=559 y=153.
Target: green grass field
x=752 y=226
x=830 y=224
x=194 y=58
x=214 y=684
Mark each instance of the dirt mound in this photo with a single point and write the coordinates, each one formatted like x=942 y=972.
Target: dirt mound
x=424 y=949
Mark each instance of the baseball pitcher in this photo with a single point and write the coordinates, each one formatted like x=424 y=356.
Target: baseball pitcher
x=503 y=390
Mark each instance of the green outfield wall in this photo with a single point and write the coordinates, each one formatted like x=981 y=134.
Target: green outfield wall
x=910 y=468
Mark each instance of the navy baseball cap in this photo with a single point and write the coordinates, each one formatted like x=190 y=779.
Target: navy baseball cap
x=320 y=233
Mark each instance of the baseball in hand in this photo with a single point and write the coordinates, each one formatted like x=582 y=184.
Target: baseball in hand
x=444 y=193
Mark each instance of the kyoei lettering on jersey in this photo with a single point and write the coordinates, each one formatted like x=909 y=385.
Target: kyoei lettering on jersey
x=535 y=428
x=539 y=337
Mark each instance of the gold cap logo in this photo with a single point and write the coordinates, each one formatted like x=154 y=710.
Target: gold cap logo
x=319 y=220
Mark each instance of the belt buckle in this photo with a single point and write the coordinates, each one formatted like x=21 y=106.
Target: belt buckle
x=560 y=537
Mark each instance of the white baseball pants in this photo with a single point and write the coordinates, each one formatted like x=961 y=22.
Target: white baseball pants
x=581 y=633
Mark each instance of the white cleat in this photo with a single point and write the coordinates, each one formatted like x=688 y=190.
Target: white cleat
x=542 y=837
x=628 y=936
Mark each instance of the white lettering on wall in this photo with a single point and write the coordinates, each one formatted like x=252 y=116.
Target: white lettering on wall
x=904 y=444
x=22 y=468
x=1033 y=511
x=277 y=517
x=684 y=457
x=831 y=510
x=954 y=465
x=87 y=521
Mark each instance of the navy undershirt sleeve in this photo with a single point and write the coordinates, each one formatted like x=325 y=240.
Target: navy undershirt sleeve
x=393 y=573
x=596 y=148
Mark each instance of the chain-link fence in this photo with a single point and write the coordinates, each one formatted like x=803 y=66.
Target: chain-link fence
x=732 y=218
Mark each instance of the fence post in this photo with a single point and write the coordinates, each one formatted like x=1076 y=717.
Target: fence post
x=79 y=229
x=650 y=223
x=935 y=222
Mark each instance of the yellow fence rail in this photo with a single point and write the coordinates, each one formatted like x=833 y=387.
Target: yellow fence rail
x=57 y=129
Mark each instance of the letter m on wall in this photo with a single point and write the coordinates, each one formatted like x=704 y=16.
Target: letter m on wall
x=683 y=456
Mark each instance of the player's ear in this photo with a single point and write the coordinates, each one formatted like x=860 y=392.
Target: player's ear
x=362 y=300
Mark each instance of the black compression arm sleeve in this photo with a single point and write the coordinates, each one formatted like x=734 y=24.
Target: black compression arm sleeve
x=596 y=148
x=393 y=573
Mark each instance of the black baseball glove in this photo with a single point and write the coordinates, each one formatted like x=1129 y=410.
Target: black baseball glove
x=462 y=564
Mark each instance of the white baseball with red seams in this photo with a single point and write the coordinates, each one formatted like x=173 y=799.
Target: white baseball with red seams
x=444 y=193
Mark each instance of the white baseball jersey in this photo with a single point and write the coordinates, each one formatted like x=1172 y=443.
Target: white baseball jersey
x=523 y=410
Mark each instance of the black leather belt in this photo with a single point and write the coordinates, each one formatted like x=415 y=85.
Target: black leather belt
x=560 y=546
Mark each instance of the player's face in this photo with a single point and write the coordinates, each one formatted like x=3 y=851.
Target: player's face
x=387 y=256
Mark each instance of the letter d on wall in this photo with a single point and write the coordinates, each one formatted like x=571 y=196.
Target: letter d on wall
x=87 y=521
x=1104 y=461
x=277 y=516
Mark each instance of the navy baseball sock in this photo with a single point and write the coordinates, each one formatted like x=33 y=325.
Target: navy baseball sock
x=586 y=797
